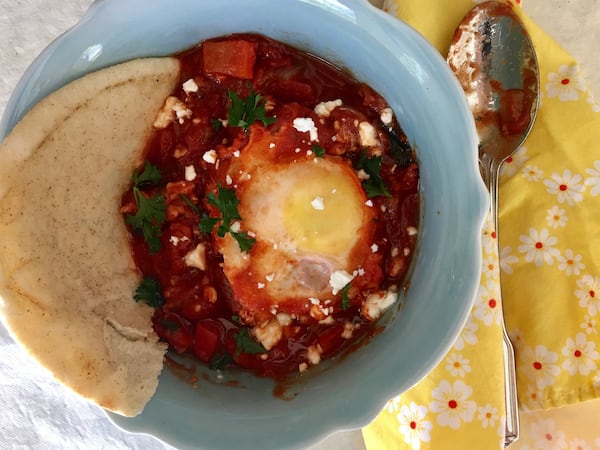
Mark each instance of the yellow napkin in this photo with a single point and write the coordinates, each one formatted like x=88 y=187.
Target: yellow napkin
x=550 y=262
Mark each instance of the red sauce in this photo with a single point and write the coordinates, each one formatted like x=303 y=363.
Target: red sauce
x=201 y=315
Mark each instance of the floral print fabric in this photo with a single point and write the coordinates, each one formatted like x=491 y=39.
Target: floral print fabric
x=549 y=267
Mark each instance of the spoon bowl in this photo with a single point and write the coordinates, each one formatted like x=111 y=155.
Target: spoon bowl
x=494 y=60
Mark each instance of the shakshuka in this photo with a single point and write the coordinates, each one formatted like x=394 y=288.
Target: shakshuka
x=276 y=213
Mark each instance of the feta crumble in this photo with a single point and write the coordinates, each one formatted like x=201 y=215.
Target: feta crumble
x=338 y=280
x=190 y=86
x=210 y=156
x=368 y=135
x=190 y=173
x=318 y=203
x=324 y=109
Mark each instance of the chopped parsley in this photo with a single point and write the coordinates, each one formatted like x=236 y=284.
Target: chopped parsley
x=245 y=343
x=227 y=203
x=373 y=185
x=345 y=298
x=243 y=112
x=151 y=211
x=149 y=292
x=318 y=151
x=190 y=203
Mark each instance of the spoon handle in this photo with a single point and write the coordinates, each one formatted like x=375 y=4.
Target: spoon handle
x=490 y=168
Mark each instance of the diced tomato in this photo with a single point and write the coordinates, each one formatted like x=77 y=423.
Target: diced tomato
x=175 y=330
x=235 y=58
x=292 y=91
x=206 y=340
x=331 y=339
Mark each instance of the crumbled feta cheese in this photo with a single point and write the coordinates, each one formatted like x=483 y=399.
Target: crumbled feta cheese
x=210 y=156
x=368 y=135
x=190 y=173
x=411 y=231
x=306 y=124
x=165 y=116
x=228 y=180
x=252 y=234
x=338 y=280
x=236 y=154
x=174 y=240
x=362 y=175
x=260 y=285
x=369 y=203
x=318 y=204
x=196 y=257
x=190 y=86
x=269 y=277
x=236 y=226
x=377 y=303
x=348 y=330
x=406 y=251
x=314 y=301
x=284 y=319
x=313 y=354
x=324 y=109
x=297 y=150
x=395 y=252
x=181 y=111
x=272 y=145
x=386 y=116
x=302 y=367
x=268 y=333
x=329 y=320
x=374 y=248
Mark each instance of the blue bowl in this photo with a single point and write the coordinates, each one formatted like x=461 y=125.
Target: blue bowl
x=430 y=106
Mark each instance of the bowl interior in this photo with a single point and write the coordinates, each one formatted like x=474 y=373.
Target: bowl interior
x=430 y=106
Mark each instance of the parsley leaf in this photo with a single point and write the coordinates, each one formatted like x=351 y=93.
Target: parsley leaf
x=243 y=112
x=373 y=186
x=245 y=343
x=149 y=292
x=318 y=150
x=151 y=211
x=244 y=241
x=227 y=203
x=220 y=361
x=345 y=298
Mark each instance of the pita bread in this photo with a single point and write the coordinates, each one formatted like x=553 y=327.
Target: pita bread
x=67 y=276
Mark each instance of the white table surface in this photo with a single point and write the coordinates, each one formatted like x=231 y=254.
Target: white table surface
x=39 y=413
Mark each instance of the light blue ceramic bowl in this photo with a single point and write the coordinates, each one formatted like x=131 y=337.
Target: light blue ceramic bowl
x=430 y=106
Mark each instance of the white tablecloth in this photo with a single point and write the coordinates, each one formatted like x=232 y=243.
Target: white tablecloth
x=39 y=413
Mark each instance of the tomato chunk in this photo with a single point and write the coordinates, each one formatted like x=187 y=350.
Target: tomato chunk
x=205 y=341
x=174 y=329
x=234 y=58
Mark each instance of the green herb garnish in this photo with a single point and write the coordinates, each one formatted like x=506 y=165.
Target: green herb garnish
x=190 y=203
x=318 y=151
x=220 y=361
x=149 y=292
x=227 y=203
x=373 y=186
x=245 y=343
x=345 y=298
x=243 y=112
x=151 y=211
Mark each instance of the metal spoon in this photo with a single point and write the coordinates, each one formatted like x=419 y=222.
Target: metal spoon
x=494 y=60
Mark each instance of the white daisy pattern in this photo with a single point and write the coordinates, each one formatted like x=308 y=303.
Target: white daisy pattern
x=452 y=403
x=413 y=425
x=393 y=404
x=539 y=365
x=566 y=84
x=556 y=217
x=507 y=259
x=487 y=308
x=532 y=173
x=488 y=415
x=589 y=293
x=468 y=335
x=546 y=436
x=567 y=187
x=539 y=247
x=593 y=179
x=581 y=355
x=570 y=263
x=532 y=399
x=589 y=325
x=513 y=163
x=489 y=266
x=579 y=444
x=592 y=101
x=457 y=365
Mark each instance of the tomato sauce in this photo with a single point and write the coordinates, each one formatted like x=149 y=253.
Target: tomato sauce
x=201 y=315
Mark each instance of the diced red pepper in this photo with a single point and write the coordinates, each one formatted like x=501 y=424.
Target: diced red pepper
x=206 y=340
x=175 y=330
x=233 y=58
